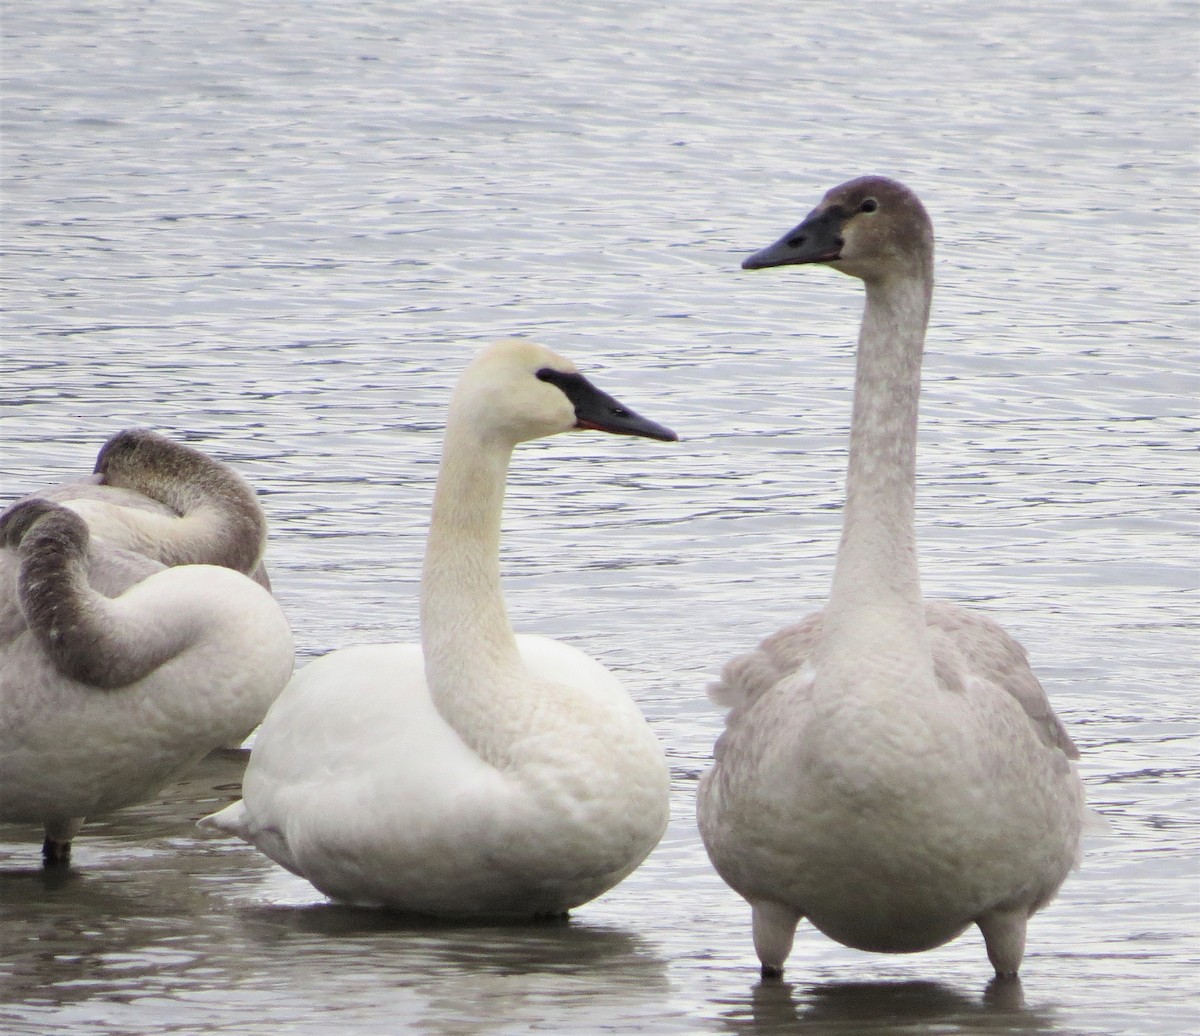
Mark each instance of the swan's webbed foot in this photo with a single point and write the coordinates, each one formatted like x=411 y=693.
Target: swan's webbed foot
x=56 y=849
x=1004 y=992
x=56 y=852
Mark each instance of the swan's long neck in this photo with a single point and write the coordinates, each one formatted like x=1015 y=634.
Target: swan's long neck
x=876 y=578
x=472 y=662
x=220 y=523
x=217 y=519
x=88 y=637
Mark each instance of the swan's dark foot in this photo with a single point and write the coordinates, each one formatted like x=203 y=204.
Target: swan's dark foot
x=56 y=852
x=770 y=973
x=1004 y=992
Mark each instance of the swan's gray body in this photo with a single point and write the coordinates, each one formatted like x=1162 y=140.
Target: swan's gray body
x=891 y=769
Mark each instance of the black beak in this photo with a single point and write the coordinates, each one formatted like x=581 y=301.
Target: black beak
x=599 y=411
x=817 y=240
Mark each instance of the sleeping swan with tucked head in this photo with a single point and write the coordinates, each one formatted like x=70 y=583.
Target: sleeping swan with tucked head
x=478 y=773
x=891 y=769
x=116 y=673
x=170 y=502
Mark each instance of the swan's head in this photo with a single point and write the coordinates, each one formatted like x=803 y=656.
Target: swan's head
x=37 y=524
x=869 y=227
x=177 y=475
x=517 y=390
x=138 y=458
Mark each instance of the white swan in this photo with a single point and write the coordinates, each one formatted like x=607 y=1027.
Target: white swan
x=169 y=502
x=116 y=673
x=478 y=773
x=891 y=770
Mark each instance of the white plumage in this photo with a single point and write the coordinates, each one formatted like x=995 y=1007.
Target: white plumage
x=478 y=773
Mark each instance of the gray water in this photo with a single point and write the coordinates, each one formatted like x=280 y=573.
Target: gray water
x=277 y=230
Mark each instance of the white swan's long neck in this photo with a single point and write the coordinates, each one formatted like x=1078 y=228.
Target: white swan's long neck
x=876 y=573
x=472 y=663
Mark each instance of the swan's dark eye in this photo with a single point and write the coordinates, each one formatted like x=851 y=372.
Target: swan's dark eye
x=795 y=242
x=870 y=205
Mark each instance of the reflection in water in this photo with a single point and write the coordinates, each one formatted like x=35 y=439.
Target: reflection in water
x=881 y=1007
x=467 y=976
x=515 y=947
x=155 y=915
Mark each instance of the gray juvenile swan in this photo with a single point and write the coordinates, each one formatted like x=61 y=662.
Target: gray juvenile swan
x=117 y=673
x=169 y=502
x=478 y=773
x=891 y=769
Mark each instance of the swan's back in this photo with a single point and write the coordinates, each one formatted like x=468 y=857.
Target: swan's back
x=966 y=646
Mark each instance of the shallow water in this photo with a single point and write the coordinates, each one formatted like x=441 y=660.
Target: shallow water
x=278 y=231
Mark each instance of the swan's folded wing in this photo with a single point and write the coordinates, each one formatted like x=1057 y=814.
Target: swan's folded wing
x=989 y=653
x=748 y=677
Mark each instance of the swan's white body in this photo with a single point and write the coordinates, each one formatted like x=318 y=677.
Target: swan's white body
x=358 y=784
x=117 y=674
x=890 y=769
x=478 y=773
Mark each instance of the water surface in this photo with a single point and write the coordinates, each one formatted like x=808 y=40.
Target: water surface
x=278 y=231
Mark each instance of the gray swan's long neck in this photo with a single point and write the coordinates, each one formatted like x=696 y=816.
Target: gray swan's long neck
x=221 y=521
x=86 y=636
x=472 y=662
x=877 y=558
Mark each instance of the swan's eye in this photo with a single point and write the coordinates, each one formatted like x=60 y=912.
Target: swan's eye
x=870 y=205
x=795 y=242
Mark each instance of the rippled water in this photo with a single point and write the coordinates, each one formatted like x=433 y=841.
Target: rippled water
x=278 y=230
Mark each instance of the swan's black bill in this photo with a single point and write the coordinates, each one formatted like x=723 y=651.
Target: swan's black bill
x=817 y=240
x=599 y=411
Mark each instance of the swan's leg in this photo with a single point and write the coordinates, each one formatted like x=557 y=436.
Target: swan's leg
x=1004 y=936
x=56 y=849
x=774 y=930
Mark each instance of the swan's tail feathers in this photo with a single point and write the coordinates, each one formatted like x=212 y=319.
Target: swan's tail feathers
x=268 y=839
x=743 y=679
x=1094 y=825
x=230 y=820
